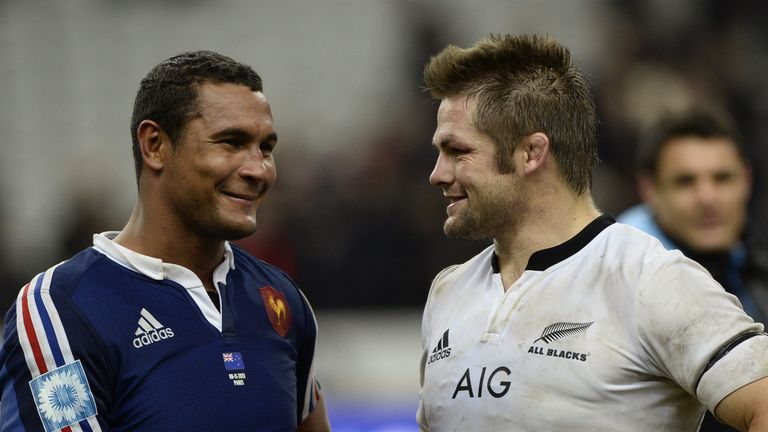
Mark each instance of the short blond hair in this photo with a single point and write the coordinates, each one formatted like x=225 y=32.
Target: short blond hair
x=524 y=84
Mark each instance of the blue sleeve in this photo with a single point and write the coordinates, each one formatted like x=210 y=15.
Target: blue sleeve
x=53 y=374
x=305 y=370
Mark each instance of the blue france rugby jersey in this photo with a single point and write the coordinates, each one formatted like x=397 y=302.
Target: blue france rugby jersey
x=111 y=340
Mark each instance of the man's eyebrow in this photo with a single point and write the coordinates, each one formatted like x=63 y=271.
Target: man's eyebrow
x=234 y=132
x=230 y=132
x=271 y=137
x=444 y=141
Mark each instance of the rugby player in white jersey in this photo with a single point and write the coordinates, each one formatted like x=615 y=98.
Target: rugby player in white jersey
x=568 y=321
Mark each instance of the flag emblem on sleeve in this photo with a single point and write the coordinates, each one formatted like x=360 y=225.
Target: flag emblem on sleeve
x=233 y=361
x=63 y=396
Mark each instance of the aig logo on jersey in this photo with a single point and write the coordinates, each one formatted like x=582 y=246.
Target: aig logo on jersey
x=150 y=330
x=441 y=351
x=557 y=331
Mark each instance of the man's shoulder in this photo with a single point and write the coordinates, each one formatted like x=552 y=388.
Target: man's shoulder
x=251 y=264
x=483 y=261
x=256 y=271
x=65 y=276
x=451 y=276
x=641 y=218
x=71 y=291
x=625 y=244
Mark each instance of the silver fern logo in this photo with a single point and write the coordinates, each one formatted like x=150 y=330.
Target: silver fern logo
x=557 y=331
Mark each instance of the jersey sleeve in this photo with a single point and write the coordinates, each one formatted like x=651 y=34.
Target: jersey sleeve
x=437 y=282
x=53 y=375
x=307 y=384
x=685 y=318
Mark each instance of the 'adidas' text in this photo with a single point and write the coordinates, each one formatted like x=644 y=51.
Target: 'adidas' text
x=150 y=330
x=441 y=351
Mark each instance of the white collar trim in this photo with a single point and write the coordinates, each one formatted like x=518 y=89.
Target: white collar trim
x=158 y=270
x=155 y=268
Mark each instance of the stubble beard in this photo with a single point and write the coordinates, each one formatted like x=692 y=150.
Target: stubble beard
x=218 y=223
x=466 y=225
x=485 y=217
x=231 y=230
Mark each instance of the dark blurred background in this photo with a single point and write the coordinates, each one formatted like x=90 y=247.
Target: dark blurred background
x=352 y=217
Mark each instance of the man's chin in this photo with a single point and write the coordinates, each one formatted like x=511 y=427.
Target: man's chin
x=238 y=231
x=711 y=241
x=455 y=230
x=712 y=247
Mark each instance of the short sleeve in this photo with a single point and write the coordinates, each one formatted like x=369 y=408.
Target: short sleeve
x=53 y=374
x=438 y=283
x=307 y=385
x=684 y=319
x=743 y=364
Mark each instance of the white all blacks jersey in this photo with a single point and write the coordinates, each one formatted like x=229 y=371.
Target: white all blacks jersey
x=605 y=332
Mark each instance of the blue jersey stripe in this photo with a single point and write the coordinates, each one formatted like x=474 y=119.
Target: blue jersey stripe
x=50 y=334
x=86 y=427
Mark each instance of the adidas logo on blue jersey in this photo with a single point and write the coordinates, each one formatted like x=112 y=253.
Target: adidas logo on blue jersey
x=150 y=330
x=440 y=351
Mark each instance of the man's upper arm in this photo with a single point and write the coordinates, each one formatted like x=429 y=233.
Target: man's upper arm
x=45 y=377
x=317 y=420
x=685 y=319
x=421 y=417
x=312 y=413
x=747 y=407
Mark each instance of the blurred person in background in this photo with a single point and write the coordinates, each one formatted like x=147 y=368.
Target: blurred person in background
x=695 y=182
x=568 y=321
x=166 y=325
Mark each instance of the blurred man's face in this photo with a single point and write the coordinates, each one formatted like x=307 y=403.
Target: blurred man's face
x=700 y=192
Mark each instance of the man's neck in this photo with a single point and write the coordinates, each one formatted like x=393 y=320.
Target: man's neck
x=550 y=224
x=199 y=255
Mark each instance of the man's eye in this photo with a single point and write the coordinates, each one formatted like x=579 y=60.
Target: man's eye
x=456 y=150
x=724 y=177
x=267 y=148
x=230 y=142
x=684 y=181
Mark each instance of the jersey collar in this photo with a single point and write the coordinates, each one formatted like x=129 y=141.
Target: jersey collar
x=545 y=258
x=155 y=268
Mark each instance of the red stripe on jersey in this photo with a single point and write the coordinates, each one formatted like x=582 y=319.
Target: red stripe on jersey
x=31 y=335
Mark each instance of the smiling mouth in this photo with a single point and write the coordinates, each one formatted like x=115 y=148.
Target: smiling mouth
x=453 y=201
x=246 y=198
x=710 y=224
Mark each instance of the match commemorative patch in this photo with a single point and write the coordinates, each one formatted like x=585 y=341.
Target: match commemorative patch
x=63 y=396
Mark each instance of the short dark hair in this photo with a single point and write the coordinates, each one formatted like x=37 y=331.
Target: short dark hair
x=701 y=121
x=524 y=84
x=168 y=94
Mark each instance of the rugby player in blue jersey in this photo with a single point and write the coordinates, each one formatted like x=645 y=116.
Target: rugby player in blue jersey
x=166 y=325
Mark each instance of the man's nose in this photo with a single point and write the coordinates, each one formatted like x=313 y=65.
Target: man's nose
x=256 y=165
x=441 y=173
x=707 y=192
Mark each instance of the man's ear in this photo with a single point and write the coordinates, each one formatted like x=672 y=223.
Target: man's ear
x=154 y=144
x=535 y=148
